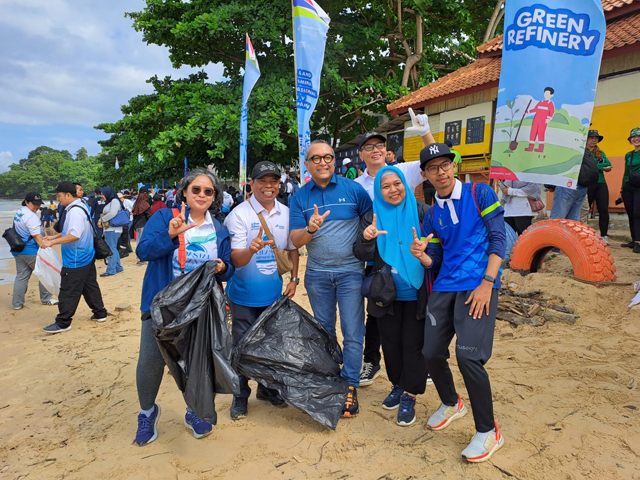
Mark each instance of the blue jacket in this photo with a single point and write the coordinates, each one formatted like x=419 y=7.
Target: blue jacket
x=156 y=247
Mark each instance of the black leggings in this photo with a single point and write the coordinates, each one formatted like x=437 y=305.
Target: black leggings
x=599 y=193
x=631 y=197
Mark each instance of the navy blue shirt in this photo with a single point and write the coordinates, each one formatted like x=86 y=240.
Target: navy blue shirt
x=331 y=247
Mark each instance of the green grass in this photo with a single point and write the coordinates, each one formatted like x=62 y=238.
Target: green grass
x=534 y=162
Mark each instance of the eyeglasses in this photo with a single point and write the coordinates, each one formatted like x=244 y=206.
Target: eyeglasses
x=445 y=166
x=371 y=146
x=208 y=192
x=326 y=159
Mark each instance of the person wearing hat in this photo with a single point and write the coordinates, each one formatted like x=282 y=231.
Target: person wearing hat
x=257 y=283
x=630 y=191
x=141 y=213
x=373 y=153
x=350 y=171
x=599 y=193
x=29 y=227
x=78 y=274
x=463 y=236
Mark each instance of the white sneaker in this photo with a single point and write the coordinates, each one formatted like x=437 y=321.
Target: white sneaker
x=18 y=308
x=52 y=301
x=483 y=446
x=443 y=417
x=606 y=240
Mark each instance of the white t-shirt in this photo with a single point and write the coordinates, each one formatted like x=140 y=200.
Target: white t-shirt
x=411 y=171
x=27 y=223
x=201 y=246
x=258 y=283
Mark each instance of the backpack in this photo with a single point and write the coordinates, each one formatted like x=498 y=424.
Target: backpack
x=589 y=173
x=283 y=190
x=294 y=187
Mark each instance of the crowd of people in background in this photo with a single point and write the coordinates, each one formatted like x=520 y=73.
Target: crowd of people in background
x=442 y=260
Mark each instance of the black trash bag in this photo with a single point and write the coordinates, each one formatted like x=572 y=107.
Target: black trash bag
x=190 y=324
x=288 y=350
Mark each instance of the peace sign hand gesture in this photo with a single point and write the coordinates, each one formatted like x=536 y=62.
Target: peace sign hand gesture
x=419 y=247
x=372 y=232
x=316 y=220
x=258 y=244
x=178 y=224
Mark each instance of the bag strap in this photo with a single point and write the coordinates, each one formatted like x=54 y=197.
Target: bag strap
x=95 y=232
x=473 y=189
x=182 y=249
x=265 y=227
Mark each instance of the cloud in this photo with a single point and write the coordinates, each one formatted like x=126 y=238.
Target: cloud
x=6 y=159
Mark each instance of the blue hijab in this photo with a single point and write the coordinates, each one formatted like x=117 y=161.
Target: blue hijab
x=395 y=246
x=109 y=195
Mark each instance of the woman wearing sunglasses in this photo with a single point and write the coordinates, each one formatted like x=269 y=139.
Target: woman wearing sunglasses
x=385 y=237
x=205 y=239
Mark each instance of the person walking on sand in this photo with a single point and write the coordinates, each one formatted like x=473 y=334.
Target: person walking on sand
x=112 y=234
x=373 y=153
x=205 y=239
x=256 y=283
x=464 y=238
x=630 y=191
x=78 y=274
x=29 y=227
x=324 y=216
x=384 y=238
x=599 y=193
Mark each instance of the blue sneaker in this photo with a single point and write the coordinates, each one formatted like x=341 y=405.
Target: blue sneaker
x=148 y=426
x=199 y=427
x=393 y=399
x=407 y=410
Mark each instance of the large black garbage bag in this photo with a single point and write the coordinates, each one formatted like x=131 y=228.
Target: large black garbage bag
x=190 y=324
x=288 y=350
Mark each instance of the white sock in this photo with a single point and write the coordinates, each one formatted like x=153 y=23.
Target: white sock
x=147 y=413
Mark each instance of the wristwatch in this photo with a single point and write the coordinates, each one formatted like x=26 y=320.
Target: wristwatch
x=489 y=278
x=295 y=279
x=309 y=231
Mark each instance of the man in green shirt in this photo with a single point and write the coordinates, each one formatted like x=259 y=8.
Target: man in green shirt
x=351 y=173
x=457 y=158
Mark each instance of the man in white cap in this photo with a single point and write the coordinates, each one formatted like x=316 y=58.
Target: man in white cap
x=351 y=173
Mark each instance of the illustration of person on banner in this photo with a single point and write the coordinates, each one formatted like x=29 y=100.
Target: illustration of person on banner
x=550 y=65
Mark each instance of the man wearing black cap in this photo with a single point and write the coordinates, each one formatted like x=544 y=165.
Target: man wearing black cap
x=29 y=227
x=464 y=238
x=78 y=263
x=373 y=153
x=256 y=283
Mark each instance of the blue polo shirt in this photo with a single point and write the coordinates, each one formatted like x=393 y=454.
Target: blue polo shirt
x=465 y=245
x=331 y=248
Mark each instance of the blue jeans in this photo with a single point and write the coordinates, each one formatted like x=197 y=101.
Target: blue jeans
x=325 y=289
x=114 y=260
x=567 y=203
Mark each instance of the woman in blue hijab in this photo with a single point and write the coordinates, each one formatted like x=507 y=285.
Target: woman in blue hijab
x=112 y=205
x=385 y=237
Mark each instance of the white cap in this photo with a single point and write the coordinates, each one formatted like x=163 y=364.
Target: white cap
x=346 y=161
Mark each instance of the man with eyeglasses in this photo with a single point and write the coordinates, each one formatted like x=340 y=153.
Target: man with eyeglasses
x=463 y=236
x=374 y=154
x=324 y=216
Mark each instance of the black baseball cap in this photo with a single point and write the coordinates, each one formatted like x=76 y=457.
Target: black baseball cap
x=33 y=197
x=264 y=168
x=66 y=187
x=435 y=150
x=368 y=136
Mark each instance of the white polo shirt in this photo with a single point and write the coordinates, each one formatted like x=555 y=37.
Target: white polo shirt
x=411 y=171
x=258 y=283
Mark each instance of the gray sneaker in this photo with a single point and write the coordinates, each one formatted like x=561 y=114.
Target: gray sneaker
x=54 y=328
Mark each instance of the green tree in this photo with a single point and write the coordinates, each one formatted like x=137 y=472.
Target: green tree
x=376 y=50
x=82 y=154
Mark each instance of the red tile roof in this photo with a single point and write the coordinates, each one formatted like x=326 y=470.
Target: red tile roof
x=609 y=5
x=620 y=33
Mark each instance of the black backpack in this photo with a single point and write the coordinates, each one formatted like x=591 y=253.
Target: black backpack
x=589 y=173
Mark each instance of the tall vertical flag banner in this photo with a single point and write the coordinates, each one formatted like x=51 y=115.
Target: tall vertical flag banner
x=117 y=164
x=310 y=27
x=251 y=76
x=186 y=167
x=551 y=55
x=140 y=159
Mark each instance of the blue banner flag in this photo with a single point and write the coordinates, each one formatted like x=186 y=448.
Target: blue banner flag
x=140 y=158
x=186 y=167
x=310 y=27
x=551 y=55
x=251 y=76
x=117 y=164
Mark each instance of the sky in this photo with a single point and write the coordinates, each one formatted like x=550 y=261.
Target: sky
x=68 y=65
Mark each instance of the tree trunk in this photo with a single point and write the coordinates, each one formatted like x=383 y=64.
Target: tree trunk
x=495 y=20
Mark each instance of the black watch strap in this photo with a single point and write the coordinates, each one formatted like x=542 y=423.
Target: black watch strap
x=489 y=278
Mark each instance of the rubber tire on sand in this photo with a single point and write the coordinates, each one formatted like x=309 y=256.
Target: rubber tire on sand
x=589 y=255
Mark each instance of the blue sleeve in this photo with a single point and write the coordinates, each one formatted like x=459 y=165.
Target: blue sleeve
x=497 y=234
x=363 y=200
x=297 y=219
x=156 y=242
x=225 y=255
x=434 y=249
x=487 y=201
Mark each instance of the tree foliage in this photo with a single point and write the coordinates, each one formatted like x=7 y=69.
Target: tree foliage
x=370 y=45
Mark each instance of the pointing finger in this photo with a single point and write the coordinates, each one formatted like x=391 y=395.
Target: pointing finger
x=414 y=120
x=259 y=237
x=374 y=221
x=415 y=235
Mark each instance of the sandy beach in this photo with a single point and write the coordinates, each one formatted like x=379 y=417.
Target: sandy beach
x=566 y=398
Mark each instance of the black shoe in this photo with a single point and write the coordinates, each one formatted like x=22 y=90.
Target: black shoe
x=238 y=408
x=350 y=408
x=369 y=373
x=636 y=248
x=269 y=395
x=631 y=244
